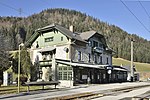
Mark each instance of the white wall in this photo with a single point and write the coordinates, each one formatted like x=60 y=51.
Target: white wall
x=61 y=53
x=35 y=54
x=66 y=83
x=104 y=59
x=84 y=53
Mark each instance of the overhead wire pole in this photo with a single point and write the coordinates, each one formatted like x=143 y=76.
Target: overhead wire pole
x=18 y=10
x=132 y=70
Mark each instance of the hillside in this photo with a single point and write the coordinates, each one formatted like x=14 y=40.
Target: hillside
x=14 y=30
x=140 y=67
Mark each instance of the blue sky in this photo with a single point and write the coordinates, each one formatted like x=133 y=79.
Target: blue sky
x=110 y=11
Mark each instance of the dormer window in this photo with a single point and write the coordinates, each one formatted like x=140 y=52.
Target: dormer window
x=100 y=45
x=95 y=44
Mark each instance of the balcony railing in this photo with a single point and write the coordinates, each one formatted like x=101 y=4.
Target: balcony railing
x=45 y=63
x=97 y=49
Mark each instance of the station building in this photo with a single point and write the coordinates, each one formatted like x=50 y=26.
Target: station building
x=73 y=58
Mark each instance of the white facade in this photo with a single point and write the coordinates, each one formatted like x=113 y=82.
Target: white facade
x=91 y=51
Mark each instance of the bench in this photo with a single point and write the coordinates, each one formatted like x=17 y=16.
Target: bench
x=41 y=83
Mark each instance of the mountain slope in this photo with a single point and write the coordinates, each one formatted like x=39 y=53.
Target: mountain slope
x=16 y=30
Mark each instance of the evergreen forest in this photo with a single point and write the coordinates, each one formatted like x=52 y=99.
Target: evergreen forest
x=15 y=30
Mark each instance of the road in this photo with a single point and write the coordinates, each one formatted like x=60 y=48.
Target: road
x=101 y=88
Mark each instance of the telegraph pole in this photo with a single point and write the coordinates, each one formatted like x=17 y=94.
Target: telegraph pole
x=132 y=70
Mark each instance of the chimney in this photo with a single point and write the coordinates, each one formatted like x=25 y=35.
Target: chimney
x=71 y=28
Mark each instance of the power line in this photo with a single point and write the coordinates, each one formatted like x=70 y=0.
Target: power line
x=18 y=10
x=144 y=8
x=134 y=16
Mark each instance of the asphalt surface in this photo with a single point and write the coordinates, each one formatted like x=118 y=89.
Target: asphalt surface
x=44 y=94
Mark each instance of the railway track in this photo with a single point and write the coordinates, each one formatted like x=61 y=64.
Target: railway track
x=99 y=94
x=145 y=96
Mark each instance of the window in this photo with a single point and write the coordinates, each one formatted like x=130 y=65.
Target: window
x=79 y=55
x=95 y=58
x=89 y=57
x=60 y=75
x=60 y=68
x=61 y=38
x=37 y=45
x=65 y=72
x=69 y=75
x=65 y=75
x=49 y=39
x=100 y=59
x=104 y=76
x=114 y=76
x=95 y=44
x=69 y=68
x=100 y=45
x=107 y=61
x=65 y=68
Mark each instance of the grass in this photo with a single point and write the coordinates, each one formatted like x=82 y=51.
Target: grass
x=140 y=67
x=14 y=89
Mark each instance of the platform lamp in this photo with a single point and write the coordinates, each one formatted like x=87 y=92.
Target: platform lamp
x=20 y=45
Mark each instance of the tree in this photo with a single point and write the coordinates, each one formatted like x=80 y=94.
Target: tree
x=4 y=56
x=25 y=61
x=17 y=29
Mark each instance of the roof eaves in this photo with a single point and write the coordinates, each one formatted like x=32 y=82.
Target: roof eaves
x=68 y=33
x=64 y=31
x=87 y=35
x=31 y=39
x=45 y=28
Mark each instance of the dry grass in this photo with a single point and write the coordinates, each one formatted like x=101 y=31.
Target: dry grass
x=14 y=89
x=140 y=67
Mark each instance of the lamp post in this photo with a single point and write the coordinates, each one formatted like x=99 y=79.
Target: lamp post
x=19 y=67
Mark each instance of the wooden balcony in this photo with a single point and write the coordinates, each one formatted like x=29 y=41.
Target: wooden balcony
x=45 y=63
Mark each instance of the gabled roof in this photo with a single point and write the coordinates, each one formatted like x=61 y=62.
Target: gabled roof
x=63 y=30
x=88 y=34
